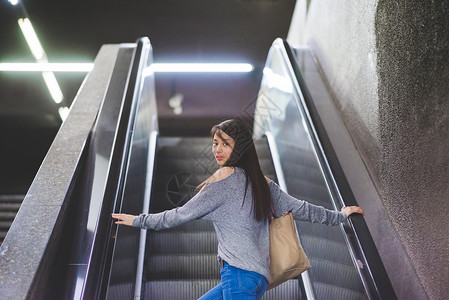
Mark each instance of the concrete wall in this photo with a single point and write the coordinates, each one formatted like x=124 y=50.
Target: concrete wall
x=387 y=65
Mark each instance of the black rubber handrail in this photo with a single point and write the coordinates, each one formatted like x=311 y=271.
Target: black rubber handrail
x=373 y=273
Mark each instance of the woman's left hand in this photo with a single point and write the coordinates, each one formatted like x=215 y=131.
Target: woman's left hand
x=349 y=210
x=124 y=219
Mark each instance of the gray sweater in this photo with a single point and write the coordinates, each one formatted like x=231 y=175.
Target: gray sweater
x=242 y=241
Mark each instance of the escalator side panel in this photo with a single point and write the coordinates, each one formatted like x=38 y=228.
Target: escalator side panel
x=35 y=233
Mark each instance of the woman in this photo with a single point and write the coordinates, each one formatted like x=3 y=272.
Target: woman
x=238 y=198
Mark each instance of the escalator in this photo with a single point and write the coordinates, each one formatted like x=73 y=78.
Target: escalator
x=124 y=165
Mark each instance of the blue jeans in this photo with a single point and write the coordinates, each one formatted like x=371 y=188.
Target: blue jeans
x=237 y=284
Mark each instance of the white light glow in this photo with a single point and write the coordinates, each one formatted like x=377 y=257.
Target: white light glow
x=200 y=67
x=13 y=2
x=53 y=86
x=31 y=38
x=46 y=67
x=63 y=113
x=277 y=81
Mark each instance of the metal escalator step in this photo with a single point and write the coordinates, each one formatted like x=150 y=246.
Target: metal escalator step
x=326 y=291
x=4 y=225
x=12 y=198
x=120 y=291
x=7 y=215
x=180 y=267
x=175 y=242
x=14 y=207
x=125 y=270
x=178 y=289
x=197 y=225
x=335 y=274
x=188 y=290
x=125 y=243
x=287 y=290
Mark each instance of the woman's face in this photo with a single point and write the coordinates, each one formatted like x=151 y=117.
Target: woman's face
x=222 y=147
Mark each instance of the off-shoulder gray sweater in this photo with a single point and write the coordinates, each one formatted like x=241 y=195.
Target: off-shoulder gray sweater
x=242 y=241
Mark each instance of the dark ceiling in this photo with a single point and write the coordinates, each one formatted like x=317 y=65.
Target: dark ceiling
x=180 y=31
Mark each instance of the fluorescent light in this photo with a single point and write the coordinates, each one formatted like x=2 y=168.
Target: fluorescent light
x=63 y=113
x=13 y=2
x=46 y=67
x=31 y=38
x=53 y=86
x=199 y=67
x=156 y=67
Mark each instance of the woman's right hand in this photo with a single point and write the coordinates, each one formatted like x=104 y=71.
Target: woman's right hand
x=124 y=219
x=349 y=210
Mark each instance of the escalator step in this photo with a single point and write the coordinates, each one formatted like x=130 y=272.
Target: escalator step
x=197 y=225
x=12 y=198
x=188 y=290
x=4 y=225
x=178 y=289
x=125 y=269
x=287 y=290
x=181 y=267
x=169 y=242
x=120 y=291
x=7 y=215
x=9 y=206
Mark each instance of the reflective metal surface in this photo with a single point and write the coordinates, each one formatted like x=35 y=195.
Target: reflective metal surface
x=280 y=111
x=95 y=175
x=125 y=258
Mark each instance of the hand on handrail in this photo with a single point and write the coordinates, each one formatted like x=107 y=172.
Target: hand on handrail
x=349 y=210
x=124 y=219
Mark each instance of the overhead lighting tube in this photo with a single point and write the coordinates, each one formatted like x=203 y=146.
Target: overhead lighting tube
x=199 y=67
x=53 y=86
x=31 y=38
x=46 y=67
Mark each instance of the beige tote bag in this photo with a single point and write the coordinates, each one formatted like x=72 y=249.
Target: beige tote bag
x=287 y=258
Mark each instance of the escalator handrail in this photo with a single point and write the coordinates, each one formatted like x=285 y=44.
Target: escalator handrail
x=100 y=263
x=356 y=233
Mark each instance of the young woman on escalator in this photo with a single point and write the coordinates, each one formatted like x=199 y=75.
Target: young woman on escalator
x=237 y=199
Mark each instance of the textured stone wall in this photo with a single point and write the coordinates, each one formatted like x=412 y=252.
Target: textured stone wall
x=387 y=64
x=412 y=41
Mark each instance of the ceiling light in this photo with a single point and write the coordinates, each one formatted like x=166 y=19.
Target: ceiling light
x=13 y=2
x=46 y=67
x=31 y=38
x=53 y=86
x=199 y=67
x=63 y=113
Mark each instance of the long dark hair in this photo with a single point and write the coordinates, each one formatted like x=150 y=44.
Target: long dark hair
x=244 y=156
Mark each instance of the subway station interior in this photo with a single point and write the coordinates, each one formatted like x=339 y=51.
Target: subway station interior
x=348 y=103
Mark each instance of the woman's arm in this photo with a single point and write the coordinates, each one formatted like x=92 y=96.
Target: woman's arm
x=304 y=211
x=197 y=207
x=205 y=201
